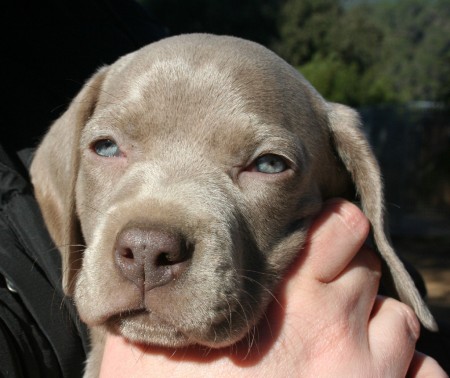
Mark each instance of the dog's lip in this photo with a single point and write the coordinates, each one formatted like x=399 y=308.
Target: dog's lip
x=117 y=317
x=114 y=321
x=109 y=319
x=135 y=318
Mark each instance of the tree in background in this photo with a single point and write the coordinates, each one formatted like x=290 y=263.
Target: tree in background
x=304 y=28
x=368 y=53
x=342 y=70
x=416 y=54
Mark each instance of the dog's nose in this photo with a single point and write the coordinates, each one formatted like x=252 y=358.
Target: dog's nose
x=151 y=258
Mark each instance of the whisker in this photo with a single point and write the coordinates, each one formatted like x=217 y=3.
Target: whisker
x=264 y=288
x=259 y=273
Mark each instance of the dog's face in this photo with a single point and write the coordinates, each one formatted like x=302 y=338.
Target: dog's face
x=181 y=184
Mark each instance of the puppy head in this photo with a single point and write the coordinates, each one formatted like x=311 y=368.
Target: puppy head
x=180 y=182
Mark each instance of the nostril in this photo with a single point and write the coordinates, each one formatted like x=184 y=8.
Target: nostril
x=164 y=259
x=177 y=256
x=126 y=253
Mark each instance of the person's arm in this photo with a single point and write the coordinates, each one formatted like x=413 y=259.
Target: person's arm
x=327 y=321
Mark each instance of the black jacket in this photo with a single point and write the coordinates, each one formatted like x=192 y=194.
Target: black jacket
x=40 y=334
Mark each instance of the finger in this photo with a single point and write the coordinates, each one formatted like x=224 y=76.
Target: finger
x=356 y=287
x=392 y=334
x=423 y=366
x=334 y=239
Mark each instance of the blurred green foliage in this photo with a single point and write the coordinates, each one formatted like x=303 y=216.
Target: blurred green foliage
x=353 y=51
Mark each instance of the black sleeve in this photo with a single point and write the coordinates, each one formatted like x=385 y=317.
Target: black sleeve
x=24 y=350
x=40 y=333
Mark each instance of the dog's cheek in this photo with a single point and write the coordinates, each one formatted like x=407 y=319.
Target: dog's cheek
x=275 y=212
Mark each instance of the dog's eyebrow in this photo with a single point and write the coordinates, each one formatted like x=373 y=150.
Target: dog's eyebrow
x=96 y=130
x=277 y=139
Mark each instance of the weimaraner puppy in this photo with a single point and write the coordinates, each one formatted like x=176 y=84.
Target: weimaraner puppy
x=180 y=182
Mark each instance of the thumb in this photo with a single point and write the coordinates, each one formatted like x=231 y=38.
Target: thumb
x=334 y=239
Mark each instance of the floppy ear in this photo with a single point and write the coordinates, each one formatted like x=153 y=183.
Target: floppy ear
x=358 y=158
x=54 y=173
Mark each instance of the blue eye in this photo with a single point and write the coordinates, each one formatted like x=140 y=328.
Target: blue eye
x=107 y=148
x=270 y=164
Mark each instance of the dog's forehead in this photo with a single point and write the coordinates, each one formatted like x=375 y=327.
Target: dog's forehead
x=207 y=86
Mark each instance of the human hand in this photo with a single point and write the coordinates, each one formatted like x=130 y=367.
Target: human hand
x=327 y=321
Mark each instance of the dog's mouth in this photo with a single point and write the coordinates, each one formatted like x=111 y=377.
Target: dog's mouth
x=146 y=327
x=115 y=320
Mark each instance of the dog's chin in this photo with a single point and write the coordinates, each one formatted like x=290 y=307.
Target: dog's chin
x=145 y=328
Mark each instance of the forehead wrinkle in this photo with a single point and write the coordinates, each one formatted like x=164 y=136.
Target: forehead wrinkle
x=163 y=73
x=276 y=138
x=106 y=114
x=120 y=118
x=96 y=130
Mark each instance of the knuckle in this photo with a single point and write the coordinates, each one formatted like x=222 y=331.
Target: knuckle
x=409 y=320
